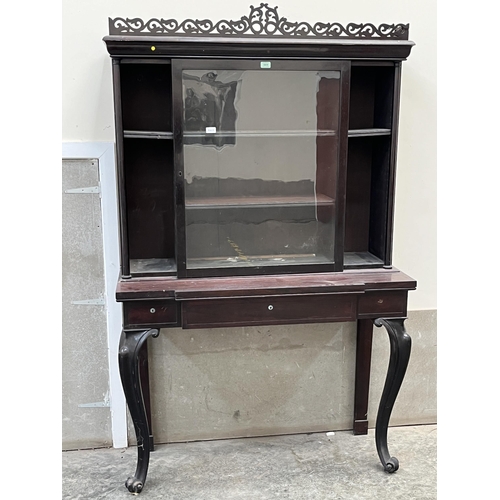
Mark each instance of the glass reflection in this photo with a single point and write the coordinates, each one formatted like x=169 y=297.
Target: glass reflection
x=260 y=162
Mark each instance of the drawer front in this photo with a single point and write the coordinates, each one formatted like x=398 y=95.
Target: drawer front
x=211 y=313
x=378 y=304
x=150 y=313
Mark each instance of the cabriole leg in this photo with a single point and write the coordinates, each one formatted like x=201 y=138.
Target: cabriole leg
x=131 y=342
x=400 y=354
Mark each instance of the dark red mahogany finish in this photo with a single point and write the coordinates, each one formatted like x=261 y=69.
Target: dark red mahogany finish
x=157 y=288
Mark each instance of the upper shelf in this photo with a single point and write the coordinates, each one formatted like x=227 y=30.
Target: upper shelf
x=147 y=134
x=224 y=202
x=150 y=134
x=369 y=132
x=263 y=133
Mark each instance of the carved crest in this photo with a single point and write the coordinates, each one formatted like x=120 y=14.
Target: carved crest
x=262 y=21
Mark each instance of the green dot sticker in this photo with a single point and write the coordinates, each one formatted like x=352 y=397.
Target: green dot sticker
x=265 y=64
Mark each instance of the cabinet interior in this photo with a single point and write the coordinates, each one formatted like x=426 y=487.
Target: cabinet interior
x=260 y=189
x=146 y=99
x=148 y=170
x=368 y=166
x=150 y=205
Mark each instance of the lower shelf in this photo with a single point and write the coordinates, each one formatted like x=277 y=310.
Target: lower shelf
x=353 y=260
x=257 y=260
x=168 y=267
x=159 y=267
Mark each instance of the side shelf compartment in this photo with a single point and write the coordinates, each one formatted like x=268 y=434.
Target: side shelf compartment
x=146 y=90
x=150 y=205
x=370 y=165
x=144 y=136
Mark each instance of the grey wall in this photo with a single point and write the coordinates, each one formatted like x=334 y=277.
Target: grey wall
x=86 y=418
x=417 y=401
x=220 y=383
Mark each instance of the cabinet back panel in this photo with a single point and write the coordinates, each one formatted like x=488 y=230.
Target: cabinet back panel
x=367 y=195
x=379 y=196
x=384 y=93
x=150 y=201
x=371 y=97
x=358 y=195
x=146 y=97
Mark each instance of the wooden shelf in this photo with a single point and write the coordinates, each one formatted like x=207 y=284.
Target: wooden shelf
x=157 y=267
x=146 y=134
x=257 y=260
x=369 y=132
x=319 y=200
x=357 y=260
x=263 y=133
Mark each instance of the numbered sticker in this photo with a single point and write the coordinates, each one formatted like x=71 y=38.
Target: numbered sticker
x=265 y=64
x=210 y=130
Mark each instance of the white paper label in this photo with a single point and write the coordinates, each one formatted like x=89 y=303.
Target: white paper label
x=265 y=64
x=210 y=130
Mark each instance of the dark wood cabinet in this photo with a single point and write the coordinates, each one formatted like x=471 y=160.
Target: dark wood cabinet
x=244 y=166
x=256 y=166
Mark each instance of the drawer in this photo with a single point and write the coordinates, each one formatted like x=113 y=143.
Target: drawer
x=209 y=313
x=378 y=304
x=150 y=313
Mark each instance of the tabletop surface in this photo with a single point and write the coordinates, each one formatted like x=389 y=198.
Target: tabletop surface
x=185 y=288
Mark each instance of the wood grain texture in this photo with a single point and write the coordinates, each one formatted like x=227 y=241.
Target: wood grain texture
x=296 y=309
x=307 y=283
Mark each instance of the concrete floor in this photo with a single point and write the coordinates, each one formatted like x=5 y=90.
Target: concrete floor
x=301 y=467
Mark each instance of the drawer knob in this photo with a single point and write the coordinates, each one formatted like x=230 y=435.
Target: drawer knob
x=152 y=310
x=270 y=307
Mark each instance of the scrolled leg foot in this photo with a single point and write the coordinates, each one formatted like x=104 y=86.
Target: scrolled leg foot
x=134 y=485
x=392 y=465
x=398 y=362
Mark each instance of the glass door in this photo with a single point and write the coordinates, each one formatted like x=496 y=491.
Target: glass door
x=258 y=151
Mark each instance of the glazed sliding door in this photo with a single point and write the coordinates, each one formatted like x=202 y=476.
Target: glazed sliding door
x=259 y=156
